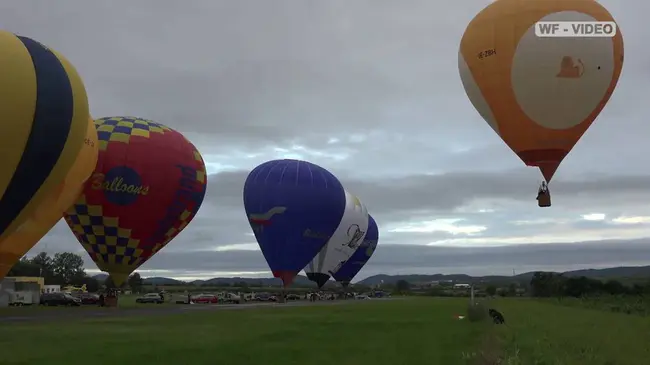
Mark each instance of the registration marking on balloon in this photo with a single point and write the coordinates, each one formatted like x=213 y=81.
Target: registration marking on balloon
x=308 y=233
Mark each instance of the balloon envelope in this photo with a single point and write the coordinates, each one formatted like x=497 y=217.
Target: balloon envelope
x=53 y=206
x=344 y=242
x=44 y=121
x=148 y=185
x=538 y=94
x=293 y=207
x=360 y=257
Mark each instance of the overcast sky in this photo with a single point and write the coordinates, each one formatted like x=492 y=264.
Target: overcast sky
x=370 y=90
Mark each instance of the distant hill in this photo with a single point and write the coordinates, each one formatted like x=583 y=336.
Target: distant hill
x=299 y=280
x=419 y=278
x=608 y=273
x=613 y=272
x=100 y=277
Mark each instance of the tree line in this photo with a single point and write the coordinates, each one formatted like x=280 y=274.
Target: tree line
x=545 y=285
x=66 y=268
x=550 y=284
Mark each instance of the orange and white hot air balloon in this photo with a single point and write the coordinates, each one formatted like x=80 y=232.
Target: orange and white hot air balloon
x=539 y=94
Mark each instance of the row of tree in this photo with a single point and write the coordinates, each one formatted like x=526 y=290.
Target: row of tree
x=549 y=284
x=66 y=268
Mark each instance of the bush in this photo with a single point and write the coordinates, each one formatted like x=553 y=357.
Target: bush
x=477 y=312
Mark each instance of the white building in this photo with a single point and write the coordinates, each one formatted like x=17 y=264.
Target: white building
x=462 y=286
x=51 y=288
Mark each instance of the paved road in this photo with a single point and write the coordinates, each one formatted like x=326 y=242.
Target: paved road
x=52 y=314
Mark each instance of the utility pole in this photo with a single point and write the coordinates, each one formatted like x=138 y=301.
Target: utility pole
x=471 y=295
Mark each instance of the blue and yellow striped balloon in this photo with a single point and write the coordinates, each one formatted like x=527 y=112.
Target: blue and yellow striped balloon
x=43 y=122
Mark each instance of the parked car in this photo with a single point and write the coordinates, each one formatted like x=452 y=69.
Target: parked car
x=89 y=298
x=205 y=299
x=380 y=294
x=362 y=297
x=150 y=298
x=293 y=297
x=265 y=297
x=314 y=296
x=231 y=298
x=56 y=299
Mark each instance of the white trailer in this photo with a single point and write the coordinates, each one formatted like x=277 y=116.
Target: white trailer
x=25 y=294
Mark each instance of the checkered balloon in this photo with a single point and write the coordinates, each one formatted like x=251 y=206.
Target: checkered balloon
x=148 y=185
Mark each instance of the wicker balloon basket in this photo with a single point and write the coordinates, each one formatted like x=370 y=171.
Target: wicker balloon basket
x=110 y=302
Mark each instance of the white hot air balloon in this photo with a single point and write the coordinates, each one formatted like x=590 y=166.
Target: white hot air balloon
x=343 y=243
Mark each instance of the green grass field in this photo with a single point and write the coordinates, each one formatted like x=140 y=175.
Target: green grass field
x=409 y=331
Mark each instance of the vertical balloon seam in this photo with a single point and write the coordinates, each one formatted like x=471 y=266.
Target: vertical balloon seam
x=295 y=182
x=268 y=172
x=284 y=171
x=322 y=175
x=284 y=167
x=256 y=173
x=315 y=263
x=53 y=116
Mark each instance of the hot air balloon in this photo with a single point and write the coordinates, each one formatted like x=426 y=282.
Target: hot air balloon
x=539 y=94
x=355 y=263
x=344 y=242
x=44 y=122
x=148 y=185
x=53 y=206
x=293 y=207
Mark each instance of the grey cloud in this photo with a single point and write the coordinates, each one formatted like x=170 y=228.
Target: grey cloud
x=394 y=258
x=408 y=259
x=446 y=192
x=264 y=71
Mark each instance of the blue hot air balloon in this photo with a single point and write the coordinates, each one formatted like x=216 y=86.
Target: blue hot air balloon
x=360 y=257
x=293 y=207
